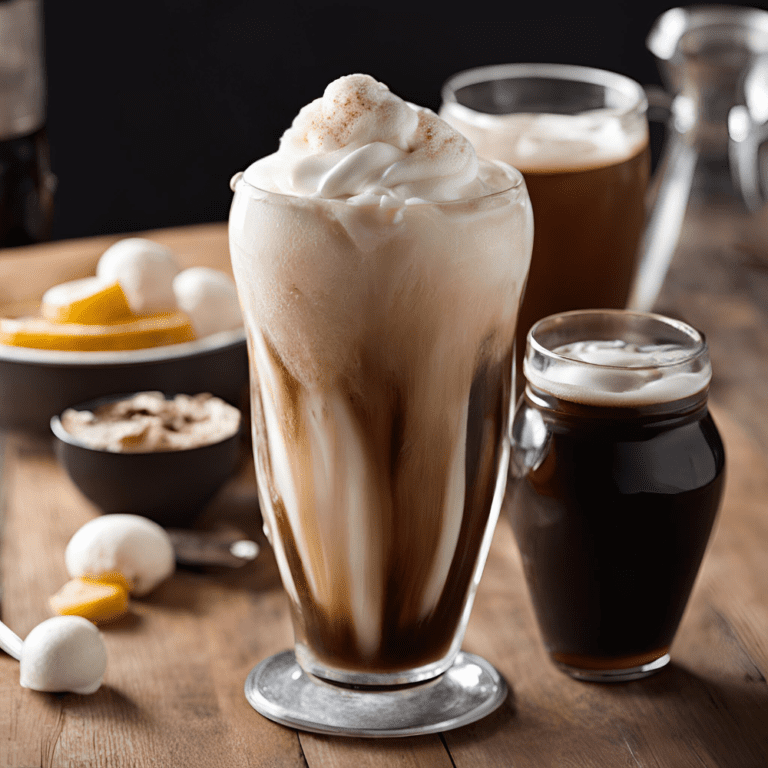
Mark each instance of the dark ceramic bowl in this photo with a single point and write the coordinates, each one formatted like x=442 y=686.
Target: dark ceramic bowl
x=37 y=384
x=169 y=487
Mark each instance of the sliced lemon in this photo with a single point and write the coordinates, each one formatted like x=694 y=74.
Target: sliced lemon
x=90 y=301
x=93 y=600
x=156 y=330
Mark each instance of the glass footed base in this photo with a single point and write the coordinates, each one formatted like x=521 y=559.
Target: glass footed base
x=279 y=689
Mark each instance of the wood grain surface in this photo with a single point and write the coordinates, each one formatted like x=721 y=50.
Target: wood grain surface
x=173 y=692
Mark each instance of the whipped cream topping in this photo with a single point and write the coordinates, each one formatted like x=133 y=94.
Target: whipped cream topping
x=362 y=144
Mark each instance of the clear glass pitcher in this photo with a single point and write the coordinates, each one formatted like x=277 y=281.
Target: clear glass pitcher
x=709 y=192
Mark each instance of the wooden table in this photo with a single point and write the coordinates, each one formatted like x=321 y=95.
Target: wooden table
x=173 y=693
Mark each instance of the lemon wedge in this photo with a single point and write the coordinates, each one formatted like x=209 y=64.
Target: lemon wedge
x=155 y=330
x=89 y=301
x=91 y=599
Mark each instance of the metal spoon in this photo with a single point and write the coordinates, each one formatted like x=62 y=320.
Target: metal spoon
x=197 y=548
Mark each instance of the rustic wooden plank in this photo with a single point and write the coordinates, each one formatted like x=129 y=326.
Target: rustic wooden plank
x=173 y=692
x=709 y=708
x=30 y=724
x=337 y=752
x=718 y=281
x=27 y=272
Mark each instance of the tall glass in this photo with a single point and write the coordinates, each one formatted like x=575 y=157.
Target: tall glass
x=580 y=138
x=380 y=344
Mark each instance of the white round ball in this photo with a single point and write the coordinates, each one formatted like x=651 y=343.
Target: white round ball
x=209 y=297
x=145 y=271
x=65 y=653
x=132 y=545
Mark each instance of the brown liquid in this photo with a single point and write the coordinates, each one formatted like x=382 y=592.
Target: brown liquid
x=411 y=486
x=587 y=226
x=612 y=526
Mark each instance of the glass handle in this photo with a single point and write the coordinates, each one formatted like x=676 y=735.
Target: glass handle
x=661 y=109
x=745 y=138
x=668 y=197
x=665 y=223
x=659 y=103
x=530 y=441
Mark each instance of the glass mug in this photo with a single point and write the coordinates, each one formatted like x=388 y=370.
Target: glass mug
x=580 y=138
x=381 y=356
x=619 y=473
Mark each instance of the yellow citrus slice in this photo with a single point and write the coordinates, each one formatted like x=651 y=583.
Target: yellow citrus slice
x=111 y=577
x=93 y=600
x=155 y=330
x=90 y=301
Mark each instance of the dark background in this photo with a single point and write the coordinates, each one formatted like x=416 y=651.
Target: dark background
x=154 y=106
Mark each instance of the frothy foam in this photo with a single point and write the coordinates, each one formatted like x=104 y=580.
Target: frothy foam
x=548 y=142
x=619 y=373
x=361 y=143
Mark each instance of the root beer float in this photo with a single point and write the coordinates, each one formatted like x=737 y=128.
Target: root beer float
x=380 y=267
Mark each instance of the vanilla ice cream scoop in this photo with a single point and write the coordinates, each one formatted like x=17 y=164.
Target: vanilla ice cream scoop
x=209 y=298
x=65 y=653
x=145 y=271
x=130 y=545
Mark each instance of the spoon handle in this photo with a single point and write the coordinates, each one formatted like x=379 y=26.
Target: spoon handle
x=10 y=642
x=196 y=548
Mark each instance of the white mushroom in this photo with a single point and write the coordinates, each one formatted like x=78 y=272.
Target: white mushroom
x=65 y=653
x=130 y=545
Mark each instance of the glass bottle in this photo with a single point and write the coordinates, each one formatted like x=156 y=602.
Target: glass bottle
x=26 y=182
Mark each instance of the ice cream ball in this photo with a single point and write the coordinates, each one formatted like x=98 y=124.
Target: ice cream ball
x=65 y=653
x=145 y=271
x=209 y=298
x=130 y=546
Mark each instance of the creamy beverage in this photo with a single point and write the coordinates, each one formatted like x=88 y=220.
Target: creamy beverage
x=380 y=267
x=586 y=168
x=620 y=473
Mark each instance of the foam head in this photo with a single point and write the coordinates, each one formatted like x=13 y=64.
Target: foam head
x=548 y=117
x=550 y=142
x=616 y=358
